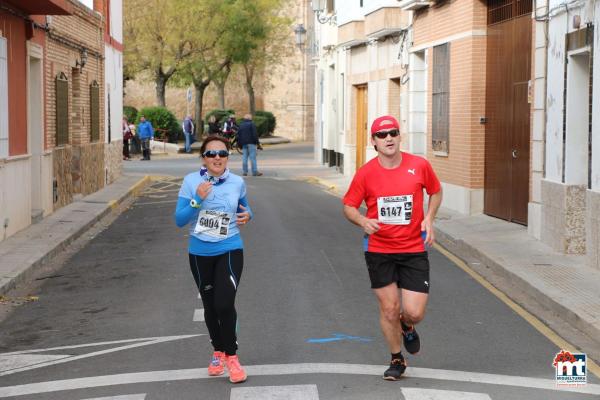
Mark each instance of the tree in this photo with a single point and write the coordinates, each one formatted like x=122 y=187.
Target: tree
x=220 y=81
x=265 y=41
x=158 y=38
x=209 y=56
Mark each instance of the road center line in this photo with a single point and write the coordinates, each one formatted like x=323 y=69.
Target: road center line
x=432 y=394
x=292 y=369
x=141 y=396
x=291 y=392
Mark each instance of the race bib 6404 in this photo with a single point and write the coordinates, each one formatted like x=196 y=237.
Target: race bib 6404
x=395 y=210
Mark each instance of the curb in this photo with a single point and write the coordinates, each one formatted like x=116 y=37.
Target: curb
x=22 y=276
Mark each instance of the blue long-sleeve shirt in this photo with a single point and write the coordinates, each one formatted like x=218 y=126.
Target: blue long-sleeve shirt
x=145 y=130
x=225 y=197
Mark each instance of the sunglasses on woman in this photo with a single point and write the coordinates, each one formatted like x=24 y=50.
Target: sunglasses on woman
x=384 y=134
x=214 y=153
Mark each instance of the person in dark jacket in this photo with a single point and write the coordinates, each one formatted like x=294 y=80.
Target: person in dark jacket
x=213 y=126
x=248 y=141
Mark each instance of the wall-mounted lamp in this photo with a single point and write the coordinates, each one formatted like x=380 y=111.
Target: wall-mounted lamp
x=323 y=15
x=300 y=32
x=81 y=63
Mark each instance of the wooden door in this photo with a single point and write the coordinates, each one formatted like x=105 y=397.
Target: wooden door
x=361 y=124
x=506 y=189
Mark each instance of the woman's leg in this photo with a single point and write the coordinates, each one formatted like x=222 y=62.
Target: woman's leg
x=203 y=270
x=227 y=278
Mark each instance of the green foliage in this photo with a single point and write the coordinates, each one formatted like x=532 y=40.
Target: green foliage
x=130 y=113
x=262 y=125
x=221 y=115
x=271 y=120
x=161 y=119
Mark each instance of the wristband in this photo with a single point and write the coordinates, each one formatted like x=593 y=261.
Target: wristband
x=194 y=203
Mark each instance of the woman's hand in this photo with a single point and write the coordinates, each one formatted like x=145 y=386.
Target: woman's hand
x=203 y=190
x=243 y=217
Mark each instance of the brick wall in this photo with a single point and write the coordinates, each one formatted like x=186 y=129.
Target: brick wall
x=79 y=165
x=83 y=28
x=461 y=23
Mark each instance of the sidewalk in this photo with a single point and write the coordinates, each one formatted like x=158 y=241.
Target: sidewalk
x=21 y=253
x=520 y=266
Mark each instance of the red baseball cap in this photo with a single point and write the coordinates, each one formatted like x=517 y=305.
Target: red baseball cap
x=383 y=123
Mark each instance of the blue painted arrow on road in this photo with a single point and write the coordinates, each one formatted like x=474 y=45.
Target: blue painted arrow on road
x=336 y=337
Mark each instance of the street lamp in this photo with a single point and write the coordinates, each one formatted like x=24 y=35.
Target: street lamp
x=83 y=59
x=300 y=32
x=319 y=7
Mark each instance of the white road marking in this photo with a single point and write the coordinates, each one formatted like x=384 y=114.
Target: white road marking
x=199 y=315
x=432 y=394
x=293 y=369
x=292 y=392
x=141 y=396
x=9 y=359
x=8 y=362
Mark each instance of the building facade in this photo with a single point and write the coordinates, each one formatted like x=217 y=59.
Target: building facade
x=53 y=145
x=113 y=79
x=498 y=96
x=566 y=129
x=289 y=85
x=25 y=159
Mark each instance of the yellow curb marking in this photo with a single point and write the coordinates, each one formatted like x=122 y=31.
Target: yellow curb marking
x=526 y=315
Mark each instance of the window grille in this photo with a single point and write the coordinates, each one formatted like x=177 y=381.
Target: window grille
x=62 y=109
x=94 y=112
x=440 y=134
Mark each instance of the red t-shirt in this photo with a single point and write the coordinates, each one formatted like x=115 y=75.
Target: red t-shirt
x=395 y=198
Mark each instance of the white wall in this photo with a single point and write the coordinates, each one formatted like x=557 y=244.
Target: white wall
x=114 y=74
x=114 y=85
x=350 y=10
x=596 y=105
x=554 y=98
x=116 y=20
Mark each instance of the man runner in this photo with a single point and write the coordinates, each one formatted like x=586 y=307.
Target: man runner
x=392 y=186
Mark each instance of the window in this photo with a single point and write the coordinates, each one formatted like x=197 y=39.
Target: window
x=361 y=3
x=330 y=6
x=62 y=109
x=94 y=112
x=3 y=99
x=441 y=99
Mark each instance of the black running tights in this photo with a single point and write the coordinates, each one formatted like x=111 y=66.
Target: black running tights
x=217 y=278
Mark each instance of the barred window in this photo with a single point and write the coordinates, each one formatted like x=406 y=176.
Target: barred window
x=94 y=112
x=62 y=109
x=441 y=99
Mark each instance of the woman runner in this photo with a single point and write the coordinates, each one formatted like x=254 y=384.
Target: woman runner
x=213 y=201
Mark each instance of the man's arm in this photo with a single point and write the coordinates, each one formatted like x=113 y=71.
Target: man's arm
x=435 y=200
x=370 y=226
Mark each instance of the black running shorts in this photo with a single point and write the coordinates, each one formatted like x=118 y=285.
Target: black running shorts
x=409 y=270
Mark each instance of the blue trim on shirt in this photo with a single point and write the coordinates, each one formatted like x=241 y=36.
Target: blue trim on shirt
x=366 y=243
x=199 y=247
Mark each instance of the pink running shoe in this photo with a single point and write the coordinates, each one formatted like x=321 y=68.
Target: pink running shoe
x=216 y=366
x=236 y=372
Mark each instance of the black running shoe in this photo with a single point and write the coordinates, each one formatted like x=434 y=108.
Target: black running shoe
x=411 y=340
x=396 y=369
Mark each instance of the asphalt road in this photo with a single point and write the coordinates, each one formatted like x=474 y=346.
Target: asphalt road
x=120 y=319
